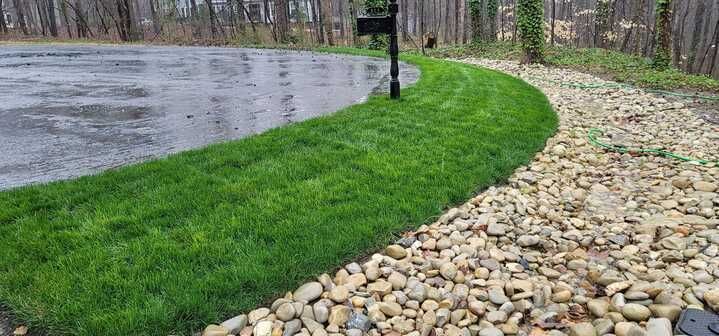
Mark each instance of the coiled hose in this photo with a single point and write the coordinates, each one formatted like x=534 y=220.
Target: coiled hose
x=625 y=86
x=593 y=139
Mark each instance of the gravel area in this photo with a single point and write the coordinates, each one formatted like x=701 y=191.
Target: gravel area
x=580 y=242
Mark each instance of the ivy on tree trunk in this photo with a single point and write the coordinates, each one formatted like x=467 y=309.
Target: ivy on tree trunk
x=663 y=52
x=530 y=22
x=475 y=13
x=492 y=8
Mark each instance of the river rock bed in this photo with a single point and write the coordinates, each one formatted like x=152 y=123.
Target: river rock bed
x=580 y=242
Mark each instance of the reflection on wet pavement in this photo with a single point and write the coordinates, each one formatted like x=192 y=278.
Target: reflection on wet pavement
x=67 y=111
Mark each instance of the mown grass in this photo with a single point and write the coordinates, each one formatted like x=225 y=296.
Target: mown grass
x=618 y=66
x=170 y=245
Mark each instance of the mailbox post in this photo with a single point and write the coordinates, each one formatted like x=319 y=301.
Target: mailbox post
x=368 y=25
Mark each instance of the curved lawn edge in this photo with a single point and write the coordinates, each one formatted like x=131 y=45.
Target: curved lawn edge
x=170 y=245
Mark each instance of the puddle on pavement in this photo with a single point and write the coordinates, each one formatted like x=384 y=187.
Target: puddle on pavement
x=67 y=111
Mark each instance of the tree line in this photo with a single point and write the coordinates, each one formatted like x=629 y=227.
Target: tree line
x=683 y=33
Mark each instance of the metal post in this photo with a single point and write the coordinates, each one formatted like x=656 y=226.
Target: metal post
x=394 y=51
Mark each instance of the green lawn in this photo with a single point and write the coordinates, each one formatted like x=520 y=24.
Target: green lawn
x=170 y=245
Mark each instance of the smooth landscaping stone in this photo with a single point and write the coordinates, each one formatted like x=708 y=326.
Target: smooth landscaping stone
x=292 y=327
x=602 y=243
x=339 y=294
x=598 y=307
x=235 y=324
x=603 y=326
x=659 y=327
x=396 y=251
x=636 y=312
x=582 y=329
x=491 y=331
x=258 y=314
x=263 y=328
x=308 y=292
x=711 y=298
x=670 y=312
x=339 y=315
x=285 y=312
x=215 y=330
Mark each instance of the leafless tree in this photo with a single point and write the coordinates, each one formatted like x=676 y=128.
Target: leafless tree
x=3 y=25
x=328 y=21
x=20 y=13
x=51 y=18
x=156 y=24
x=623 y=25
x=282 y=21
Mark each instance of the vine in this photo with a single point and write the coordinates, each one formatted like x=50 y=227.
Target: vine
x=492 y=8
x=662 y=54
x=601 y=22
x=475 y=12
x=530 y=22
x=475 y=7
x=377 y=7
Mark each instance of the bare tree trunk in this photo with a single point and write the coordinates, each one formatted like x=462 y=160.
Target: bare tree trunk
x=63 y=11
x=81 y=25
x=249 y=17
x=194 y=20
x=353 y=23
x=51 y=18
x=679 y=38
x=3 y=25
x=711 y=62
x=341 y=17
x=241 y=15
x=421 y=23
x=138 y=32
x=85 y=14
x=416 y=15
x=514 y=32
x=126 y=25
x=317 y=21
x=28 y=19
x=405 y=20
x=282 y=21
x=156 y=27
x=492 y=14
x=696 y=37
x=458 y=8
x=628 y=36
x=269 y=21
x=42 y=16
x=327 y=21
x=553 y=25
x=213 y=18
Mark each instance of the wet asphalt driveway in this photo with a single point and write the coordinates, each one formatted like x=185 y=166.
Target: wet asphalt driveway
x=67 y=111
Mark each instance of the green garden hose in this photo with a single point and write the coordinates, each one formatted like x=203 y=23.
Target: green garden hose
x=594 y=132
x=625 y=86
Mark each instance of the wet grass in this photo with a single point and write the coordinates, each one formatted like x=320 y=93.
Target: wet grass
x=170 y=245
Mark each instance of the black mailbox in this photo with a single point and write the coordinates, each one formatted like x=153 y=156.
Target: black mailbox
x=387 y=24
x=370 y=25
